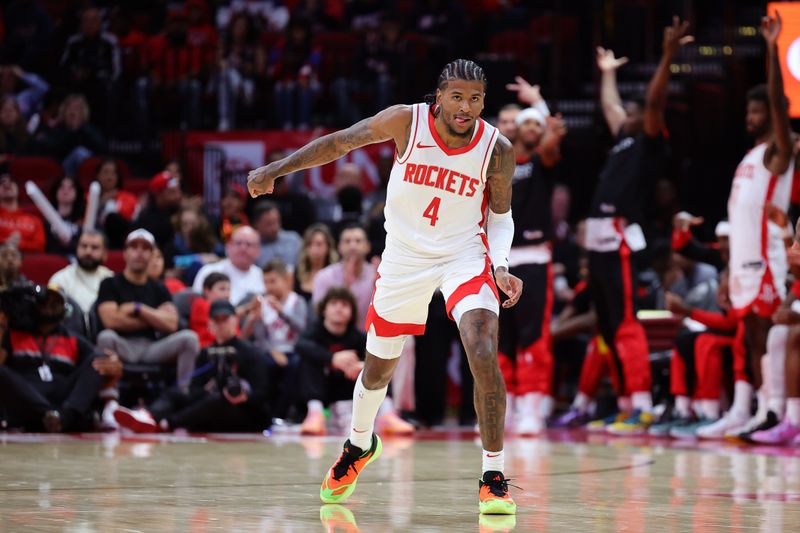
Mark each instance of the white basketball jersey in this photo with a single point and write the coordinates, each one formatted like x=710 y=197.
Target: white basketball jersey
x=436 y=200
x=754 y=186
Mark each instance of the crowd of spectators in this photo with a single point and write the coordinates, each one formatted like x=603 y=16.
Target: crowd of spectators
x=229 y=321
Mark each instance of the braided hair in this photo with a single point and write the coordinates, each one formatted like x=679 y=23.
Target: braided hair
x=460 y=69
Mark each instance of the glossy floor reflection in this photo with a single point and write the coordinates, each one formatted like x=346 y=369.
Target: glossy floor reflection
x=209 y=483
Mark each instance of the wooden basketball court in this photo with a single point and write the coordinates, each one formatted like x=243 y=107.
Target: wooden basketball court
x=571 y=482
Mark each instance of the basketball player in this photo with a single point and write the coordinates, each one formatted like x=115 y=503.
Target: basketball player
x=758 y=262
x=612 y=232
x=449 y=167
x=526 y=356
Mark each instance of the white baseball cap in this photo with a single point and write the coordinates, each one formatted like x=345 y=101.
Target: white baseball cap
x=530 y=113
x=141 y=234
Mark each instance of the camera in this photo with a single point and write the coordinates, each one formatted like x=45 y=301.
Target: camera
x=20 y=303
x=226 y=376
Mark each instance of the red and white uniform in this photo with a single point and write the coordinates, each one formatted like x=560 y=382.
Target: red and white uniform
x=757 y=253
x=436 y=205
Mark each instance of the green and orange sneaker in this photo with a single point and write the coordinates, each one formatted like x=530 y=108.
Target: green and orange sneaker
x=340 y=481
x=494 y=498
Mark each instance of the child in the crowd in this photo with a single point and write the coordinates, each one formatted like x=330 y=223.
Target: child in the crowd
x=216 y=286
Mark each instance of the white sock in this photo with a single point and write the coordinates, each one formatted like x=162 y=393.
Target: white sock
x=683 y=406
x=546 y=406
x=742 y=398
x=624 y=404
x=527 y=404
x=581 y=402
x=315 y=406
x=493 y=461
x=761 y=398
x=776 y=376
x=709 y=409
x=365 y=406
x=642 y=401
x=793 y=411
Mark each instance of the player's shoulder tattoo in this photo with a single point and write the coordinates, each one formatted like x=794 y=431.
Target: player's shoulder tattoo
x=503 y=160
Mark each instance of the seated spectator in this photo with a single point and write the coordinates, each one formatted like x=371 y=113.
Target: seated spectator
x=227 y=392
x=239 y=266
x=216 y=286
x=332 y=353
x=66 y=196
x=81 y=280
x=157 y=271
x=295 y=206
x=243 y=62
x=273 y=323
x=164 y=201
x=175 y=67
x=294 y=63
x=49 y=378
x=29 y=99
x=232 y=214
x=138 y=315
x=14 y=137
x=91 y=62
x=276 y=242
x=74 y=139
x=10 y=264
x=353 y=272
x=318 y=251
x=113 y=198
x=195 y=243
x=276 y=320
x=26 y=231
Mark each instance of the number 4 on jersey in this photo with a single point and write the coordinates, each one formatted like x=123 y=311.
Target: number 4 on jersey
x=432 y=211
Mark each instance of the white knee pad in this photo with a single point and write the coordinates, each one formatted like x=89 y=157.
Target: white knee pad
x=385 y=347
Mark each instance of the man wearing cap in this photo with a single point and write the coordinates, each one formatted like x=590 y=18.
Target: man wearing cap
x=242 y=251
x=81 y=280
x=140 y=320
x=525 y=354
x=26 y=229
x=228 y=391
x=164 y=201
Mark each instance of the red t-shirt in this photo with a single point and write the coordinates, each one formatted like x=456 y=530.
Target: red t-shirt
x=30 y=228
x=198 y=321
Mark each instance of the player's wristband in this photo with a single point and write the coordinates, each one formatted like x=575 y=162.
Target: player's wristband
x=500 y=234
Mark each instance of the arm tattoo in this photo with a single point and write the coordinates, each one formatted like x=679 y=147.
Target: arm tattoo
x=500 y=173
x=330 y=147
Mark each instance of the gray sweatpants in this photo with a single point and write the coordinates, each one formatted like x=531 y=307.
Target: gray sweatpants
x=182 y=346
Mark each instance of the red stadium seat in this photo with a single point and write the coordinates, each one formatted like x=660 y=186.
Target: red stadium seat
x=39 y=268
x=43 y=171
x=115 y=261
x=136 y=186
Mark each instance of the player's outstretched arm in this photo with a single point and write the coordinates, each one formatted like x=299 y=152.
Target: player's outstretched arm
x=391 y=123
x=610 y=101
x=656 y=100
x=780 y=150
x=499 y=224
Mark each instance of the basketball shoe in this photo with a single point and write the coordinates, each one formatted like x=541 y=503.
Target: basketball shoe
x=493 y=494
x=340 y=481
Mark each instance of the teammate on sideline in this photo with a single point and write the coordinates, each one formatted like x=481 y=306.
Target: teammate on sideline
x=450 y=165
x=612 y=230
x=758 y=263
